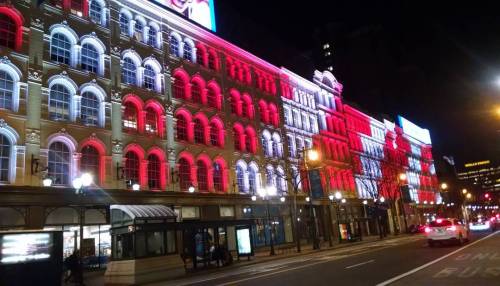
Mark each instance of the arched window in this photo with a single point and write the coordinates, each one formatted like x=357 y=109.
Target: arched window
x=152 y=35
x=235 y=101
x=252 y=179
x=270 y=176
x=276 y=145
x=8 y=31
x=213 y=97
x=95 y=12
x=130 y=116
x=265 y=145
x=174 y=46
x=240 y=179
x=212 y=60
x=199 y=131
x=5 y=148
x=182 y=128
x=153 y=172
x=90 y=58
x=151 y=121
x=196 y=92
x=77 y=7
x=237 y=136
x=60 y=49
x=200 y=55
x=179 y=87
x=6 y=90
x=188 y=51
x=280 y=180
x=129 y=71
x=250 y=140
x=184 y=174
x=132 y=166
x=139 y=30
x=59 y=163
x=89 y=162
x=90 y=109
x=149 y=77
x=215 y=134
x=59 y=103
x=124 y=24
x=217 y=177
x=202 y=176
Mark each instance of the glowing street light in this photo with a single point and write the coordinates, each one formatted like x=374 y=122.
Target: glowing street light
x=313 y=155
x=468 y=196
x=444 y=186
x=464 y=191
x=136 y=187
x=382 y=199
x=365 y=202
x=47 y=182
x=402 y=177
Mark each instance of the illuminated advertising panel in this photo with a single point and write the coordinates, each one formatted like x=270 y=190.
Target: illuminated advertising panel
x=25 y=247
x=244 y=242
x=415 y=131
x=199 y=11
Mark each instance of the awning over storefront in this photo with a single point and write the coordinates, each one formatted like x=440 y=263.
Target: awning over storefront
x=131 y=214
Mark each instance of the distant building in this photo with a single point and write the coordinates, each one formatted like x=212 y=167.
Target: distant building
x=484 y=175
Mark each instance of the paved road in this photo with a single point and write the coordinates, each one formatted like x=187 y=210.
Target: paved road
x=366 y=264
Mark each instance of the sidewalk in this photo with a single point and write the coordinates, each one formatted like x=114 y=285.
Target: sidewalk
x=96 y=278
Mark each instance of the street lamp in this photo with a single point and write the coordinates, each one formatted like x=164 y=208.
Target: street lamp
x=464 y=191
x=267 y=194
x=80 y=183
x=334 y=199
x=191 y=189
x=136 y=187
x=444 y=186
x=47 y=182
x=468 y=196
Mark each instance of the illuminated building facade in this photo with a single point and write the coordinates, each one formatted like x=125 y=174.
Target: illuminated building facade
x=160 y=111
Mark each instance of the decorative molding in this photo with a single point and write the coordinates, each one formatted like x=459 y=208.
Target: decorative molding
x=3 y=124
x=5 y=60
x=117 y=147
x=169 y=109
x=33 y=136
x=37 y=23
x=116 y=51
x=35 y=75
x=63 y=131
x=116 y=96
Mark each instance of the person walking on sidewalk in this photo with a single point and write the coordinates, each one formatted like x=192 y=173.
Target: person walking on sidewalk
x=73 y=264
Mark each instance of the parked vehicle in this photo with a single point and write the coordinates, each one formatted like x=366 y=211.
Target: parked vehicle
x=446 y=230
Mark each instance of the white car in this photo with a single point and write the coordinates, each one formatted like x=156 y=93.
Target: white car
x=446 y=229
x=480 y=223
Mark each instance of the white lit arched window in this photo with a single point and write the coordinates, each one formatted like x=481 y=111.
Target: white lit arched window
x=10 y=77
x=154 y=36
x=8 y=154
x=175 y=42
x=129 y=71
x=63 y=44
x=98 y=12
x=152 y=77
x=139 y=28
x=59 y=103
x=92 y=54
x=125 y=18
x=188 y=50
x=149 y=78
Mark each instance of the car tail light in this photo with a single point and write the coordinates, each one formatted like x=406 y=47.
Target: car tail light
x=439 y=220
x=492 y=219
x=452 y=228
x=427 y=229
x=498 y=215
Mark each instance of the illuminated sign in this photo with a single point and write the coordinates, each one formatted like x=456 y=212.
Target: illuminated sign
x=244 y=242
x=474 y=164
x=25 y=247
x=199 y=11
x=415 y=131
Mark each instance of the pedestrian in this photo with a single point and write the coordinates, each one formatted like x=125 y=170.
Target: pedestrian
x=73 y=264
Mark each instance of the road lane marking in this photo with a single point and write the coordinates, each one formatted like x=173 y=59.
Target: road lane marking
x=394 y=279
x=359 y=264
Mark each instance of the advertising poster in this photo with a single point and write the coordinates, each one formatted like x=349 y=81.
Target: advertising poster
x=244 y=242
x=199 y=11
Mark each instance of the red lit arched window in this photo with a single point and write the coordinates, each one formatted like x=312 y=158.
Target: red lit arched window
x=182 y=128
x=199 y=131
x=89 y=162
x=202 y=176
x=130 y=116
x=184 y=174
x=215 y=134
x=151 y=121
x=212 y=97
x=237 y=135
x=213 y=60
x=154 y=172
x=8 y=31
x=179 y=87
x=132 y=166
x=250 y=140
x=217 y=177
x=196 y=92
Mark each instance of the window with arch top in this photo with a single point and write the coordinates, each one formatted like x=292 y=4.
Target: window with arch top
x=8 y=31
x=59 y=103
x=130 y=116
x=124 y=24
x=199 y=131
x=182 y=128
x=154 y=171
x=95 y=12
x=6 y=90
x=151 y=121
x=89 y=162
x=149 y=77
x=202 y=176
x=188 y=52
x=60 y=49
x=90 y=58
x=129 y=71
x=59 y=163
x=90 y=106
x=132 y=165
x=174 y=46
x=184 y=174
x=5 y=151
x=217 y=177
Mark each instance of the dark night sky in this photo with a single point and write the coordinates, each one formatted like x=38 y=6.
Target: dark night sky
x=433 y=63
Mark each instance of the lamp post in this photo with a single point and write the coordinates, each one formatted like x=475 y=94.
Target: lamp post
x=79 y=184
x=267 y=194
x=402 y=178
x=334 y=199
x=312 y=156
